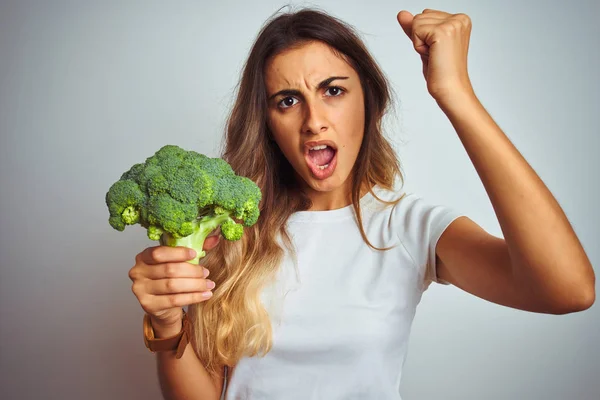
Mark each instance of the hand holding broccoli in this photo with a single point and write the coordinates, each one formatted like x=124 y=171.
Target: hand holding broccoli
x=180 y=197
x=164 y=281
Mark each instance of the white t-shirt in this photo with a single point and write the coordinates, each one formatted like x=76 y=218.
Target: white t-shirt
x=342 y=315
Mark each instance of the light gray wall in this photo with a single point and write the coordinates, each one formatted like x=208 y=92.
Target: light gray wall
x=89 y=88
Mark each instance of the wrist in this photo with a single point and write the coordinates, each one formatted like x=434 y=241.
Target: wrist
x=456 y=101
x=450 y=89
x=165 y=329
x=169 y=337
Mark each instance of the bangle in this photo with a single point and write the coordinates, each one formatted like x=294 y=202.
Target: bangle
x=177 y=342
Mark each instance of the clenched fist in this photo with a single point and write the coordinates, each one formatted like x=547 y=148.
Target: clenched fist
x=164 y=281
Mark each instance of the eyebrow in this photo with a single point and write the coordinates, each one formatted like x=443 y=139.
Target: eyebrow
x=294 y=92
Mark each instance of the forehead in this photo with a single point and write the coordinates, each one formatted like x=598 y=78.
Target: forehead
x=310 y=63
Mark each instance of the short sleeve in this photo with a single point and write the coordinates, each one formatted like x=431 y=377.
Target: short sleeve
x=422 y=225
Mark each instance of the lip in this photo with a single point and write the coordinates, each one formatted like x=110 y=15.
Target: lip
x=312 y=143
x=322 y=174
x=318 y=173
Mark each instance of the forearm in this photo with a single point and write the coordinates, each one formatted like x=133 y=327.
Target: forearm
x=184 y=378
x=546 y=255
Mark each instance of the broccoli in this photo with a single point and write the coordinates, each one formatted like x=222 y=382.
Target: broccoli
x=181 y=196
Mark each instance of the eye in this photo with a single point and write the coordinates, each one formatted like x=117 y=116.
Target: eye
x=287 y=102
x=335 y=91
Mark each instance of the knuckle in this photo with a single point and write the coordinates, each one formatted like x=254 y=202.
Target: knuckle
x=464 y=18
x=133 y=274
x=156 y=254
x=135 y=288
x=171 y=285
x=136 y=273
x=173 y=300
x=145 y=303
x=170 y=270
x=448 y=29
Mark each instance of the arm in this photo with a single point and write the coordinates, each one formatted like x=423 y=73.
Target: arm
x=185 y=378
x=540 y=265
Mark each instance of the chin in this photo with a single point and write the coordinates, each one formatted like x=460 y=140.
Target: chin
x=330 y=184
x=331 y=179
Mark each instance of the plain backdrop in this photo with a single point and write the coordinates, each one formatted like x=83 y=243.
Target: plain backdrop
x=89 y=88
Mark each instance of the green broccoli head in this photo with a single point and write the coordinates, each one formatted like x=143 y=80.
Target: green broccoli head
x=125 y=199
x=181 y=196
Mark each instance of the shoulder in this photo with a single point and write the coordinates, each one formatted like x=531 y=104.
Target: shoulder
x=406 y=208
x=416 y=221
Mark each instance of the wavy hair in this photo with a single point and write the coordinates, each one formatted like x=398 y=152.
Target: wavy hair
x=233 y=323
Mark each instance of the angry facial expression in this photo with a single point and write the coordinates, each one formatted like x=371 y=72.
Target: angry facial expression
x=316 y=116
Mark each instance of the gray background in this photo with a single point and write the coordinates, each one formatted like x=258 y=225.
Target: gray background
x=89 y=88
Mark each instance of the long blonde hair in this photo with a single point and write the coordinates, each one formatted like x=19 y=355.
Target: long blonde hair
x=233 y=323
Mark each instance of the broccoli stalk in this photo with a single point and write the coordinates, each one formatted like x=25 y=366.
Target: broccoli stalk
x=201 y=229
x=181 y=196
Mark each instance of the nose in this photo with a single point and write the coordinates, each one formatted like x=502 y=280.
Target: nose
x=315 y=119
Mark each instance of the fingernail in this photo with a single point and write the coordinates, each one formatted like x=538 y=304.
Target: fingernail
x=206 y=272
x=192 y=253
x=210 y=284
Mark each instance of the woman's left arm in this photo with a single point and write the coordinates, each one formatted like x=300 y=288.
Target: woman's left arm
x=540 y=265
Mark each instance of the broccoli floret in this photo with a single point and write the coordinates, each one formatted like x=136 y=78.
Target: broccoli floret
x=181 y=196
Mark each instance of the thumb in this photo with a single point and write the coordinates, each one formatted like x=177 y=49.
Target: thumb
x=405 y=20
x=211 y=242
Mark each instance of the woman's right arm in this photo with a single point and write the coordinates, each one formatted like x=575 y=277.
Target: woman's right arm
x=163 y=282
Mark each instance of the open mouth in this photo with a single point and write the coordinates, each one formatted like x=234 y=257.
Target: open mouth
x=321 y=160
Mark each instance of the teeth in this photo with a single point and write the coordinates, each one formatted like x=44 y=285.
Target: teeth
x=323 y=166
x=321 y=147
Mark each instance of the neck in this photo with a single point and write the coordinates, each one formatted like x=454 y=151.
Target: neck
x=334 y=199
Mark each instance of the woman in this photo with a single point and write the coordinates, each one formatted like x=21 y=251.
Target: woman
x=318 y=298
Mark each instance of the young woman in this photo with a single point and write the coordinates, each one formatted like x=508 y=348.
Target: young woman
x=317 y=300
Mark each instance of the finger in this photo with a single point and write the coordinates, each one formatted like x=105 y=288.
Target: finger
x=178 y=285
x=158 y=303
x=412 y=30
x=420 y=36
x=211 y=242
x=435 y=13
x=426 y=20
x=162 y=254
x=175 y=270
x=405 y=20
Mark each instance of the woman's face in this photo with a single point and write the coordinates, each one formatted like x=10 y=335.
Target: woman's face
x=316 y=115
